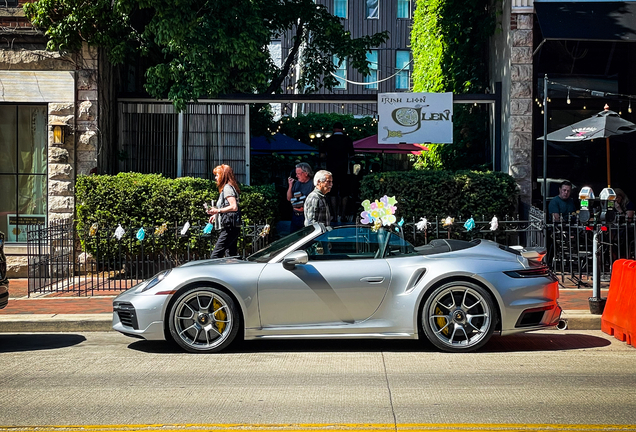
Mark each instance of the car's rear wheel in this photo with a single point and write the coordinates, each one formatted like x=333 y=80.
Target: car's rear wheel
x=459 y=317
x=204 y=320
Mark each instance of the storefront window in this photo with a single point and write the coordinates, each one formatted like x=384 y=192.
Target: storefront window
x=373 y=9
x=340 y=8
x=23 y=167
x=403 y=67
x=404 y=9
x=372 y=78
x=341 y=72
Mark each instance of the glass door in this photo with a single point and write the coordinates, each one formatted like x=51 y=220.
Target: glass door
x=23 y=169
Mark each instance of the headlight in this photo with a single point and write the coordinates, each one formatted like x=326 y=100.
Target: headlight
x=154 y=280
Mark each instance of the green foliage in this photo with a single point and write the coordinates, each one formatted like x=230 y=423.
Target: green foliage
x=203 y=48
x=300 y=127
x=444 y=193
x=468 y=151
x=68 y=23
x=450 y=42
x=149 y=200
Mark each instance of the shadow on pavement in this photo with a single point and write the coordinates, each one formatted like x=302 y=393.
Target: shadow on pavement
x=544 y=342
x=514 y=343
x=37 y=342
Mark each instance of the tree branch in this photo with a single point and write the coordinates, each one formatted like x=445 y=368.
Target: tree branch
x=298 y=40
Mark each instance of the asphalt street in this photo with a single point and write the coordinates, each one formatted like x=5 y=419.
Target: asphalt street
x=103 y=378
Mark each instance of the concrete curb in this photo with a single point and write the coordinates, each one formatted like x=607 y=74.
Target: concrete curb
x=581 y=320
x=64 y=323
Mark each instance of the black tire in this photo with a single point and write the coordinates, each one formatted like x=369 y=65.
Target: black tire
x=204 y=320
x=459 y=317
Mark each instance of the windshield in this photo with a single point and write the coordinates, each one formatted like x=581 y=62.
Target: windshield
x=280 y=245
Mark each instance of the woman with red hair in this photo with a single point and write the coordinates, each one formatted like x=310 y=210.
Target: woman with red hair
x=228 y=220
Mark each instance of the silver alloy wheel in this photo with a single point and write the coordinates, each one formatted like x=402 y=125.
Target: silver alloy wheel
x=459 y=316
x=203 y=320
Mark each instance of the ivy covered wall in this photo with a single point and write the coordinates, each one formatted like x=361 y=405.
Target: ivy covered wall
x=450 y=51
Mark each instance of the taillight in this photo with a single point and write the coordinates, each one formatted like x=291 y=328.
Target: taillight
x=542 y=271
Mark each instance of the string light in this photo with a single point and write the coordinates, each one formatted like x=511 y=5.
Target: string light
x=619 y=96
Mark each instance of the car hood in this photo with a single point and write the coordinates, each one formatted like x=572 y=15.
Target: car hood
x=214 y=261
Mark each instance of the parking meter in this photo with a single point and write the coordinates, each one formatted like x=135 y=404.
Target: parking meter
x=607 y=198
x=586 y=195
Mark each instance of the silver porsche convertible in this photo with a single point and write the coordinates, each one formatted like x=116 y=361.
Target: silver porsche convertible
x=346 y=282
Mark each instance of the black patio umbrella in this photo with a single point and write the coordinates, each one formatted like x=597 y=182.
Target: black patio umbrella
x=602 y=125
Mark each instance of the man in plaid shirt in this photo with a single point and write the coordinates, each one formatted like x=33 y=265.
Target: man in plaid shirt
x=316 y=206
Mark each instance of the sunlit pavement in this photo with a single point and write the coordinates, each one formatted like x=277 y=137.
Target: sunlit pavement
x=327 y=428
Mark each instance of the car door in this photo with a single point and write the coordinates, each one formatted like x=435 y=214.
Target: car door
x=344 y=281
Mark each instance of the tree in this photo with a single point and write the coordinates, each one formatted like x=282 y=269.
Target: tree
x=205 y=48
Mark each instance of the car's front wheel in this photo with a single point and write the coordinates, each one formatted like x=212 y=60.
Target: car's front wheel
x=459 y=317
x=203 y=320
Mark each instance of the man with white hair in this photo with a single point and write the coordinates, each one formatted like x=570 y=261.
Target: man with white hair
x=316 y=205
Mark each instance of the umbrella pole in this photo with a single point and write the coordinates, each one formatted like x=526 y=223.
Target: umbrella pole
x=607 y=150
x=545 y=149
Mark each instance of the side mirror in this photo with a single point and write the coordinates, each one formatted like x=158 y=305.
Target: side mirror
x=297 y=257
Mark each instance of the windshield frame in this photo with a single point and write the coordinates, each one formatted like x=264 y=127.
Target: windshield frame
x=270 y=252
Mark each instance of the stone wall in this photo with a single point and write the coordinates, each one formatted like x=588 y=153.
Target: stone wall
x=68 y=85
x=520 y=126
x=86 y=111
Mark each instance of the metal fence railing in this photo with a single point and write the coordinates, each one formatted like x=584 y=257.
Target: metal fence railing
x=570 y=249
x=64 y=259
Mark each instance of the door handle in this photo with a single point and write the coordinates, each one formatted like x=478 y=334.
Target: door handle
x=373 y=279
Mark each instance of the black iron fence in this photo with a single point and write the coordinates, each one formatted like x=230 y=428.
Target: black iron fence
x=509 y=232
x=569 y=245
x=570 y=249
x=63 y=259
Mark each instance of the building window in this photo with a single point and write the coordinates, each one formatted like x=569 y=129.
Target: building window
x=404 y=9
x=403 y=68
x=372 y=58
x=340 y=8
x=372 y=9
x=23 y=163
x=8 y=3
x=341 y=72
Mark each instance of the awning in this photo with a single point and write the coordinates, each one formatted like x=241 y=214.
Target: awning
x=281 y=144
x=371 y=145
x=582 y=20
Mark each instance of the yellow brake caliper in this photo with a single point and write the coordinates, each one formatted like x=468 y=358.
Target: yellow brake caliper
x=441 y=321
x=219 y=314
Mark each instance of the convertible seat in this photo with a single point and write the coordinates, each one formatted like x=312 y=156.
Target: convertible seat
x=442 y=245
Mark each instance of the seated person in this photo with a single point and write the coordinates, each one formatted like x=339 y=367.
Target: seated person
x=562 y=206
x=623 y=206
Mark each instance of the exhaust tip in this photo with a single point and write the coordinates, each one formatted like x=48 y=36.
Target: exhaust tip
x=562 y=324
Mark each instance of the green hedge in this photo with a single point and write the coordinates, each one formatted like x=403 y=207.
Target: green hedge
x=135 y=200
x=443 y=193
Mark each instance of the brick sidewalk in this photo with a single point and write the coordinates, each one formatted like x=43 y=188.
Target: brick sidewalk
x=571 y=298
x=55 y=303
